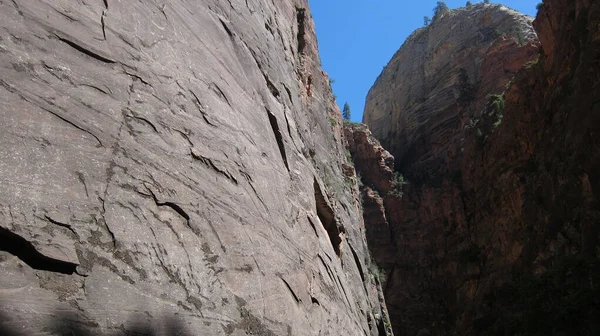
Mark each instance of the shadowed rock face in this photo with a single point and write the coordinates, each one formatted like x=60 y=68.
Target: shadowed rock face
x=497 y=229
x=171 y=161
x=375 y=166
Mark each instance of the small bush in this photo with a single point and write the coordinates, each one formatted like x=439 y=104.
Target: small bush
x=497 y=105
x=397 y=183
x=348 y=156
x=481 y=138
x=377 y=272
x=530 y=64
x=332 y=121
x=472 y=123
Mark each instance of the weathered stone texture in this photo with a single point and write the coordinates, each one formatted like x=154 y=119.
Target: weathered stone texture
x=160 y=164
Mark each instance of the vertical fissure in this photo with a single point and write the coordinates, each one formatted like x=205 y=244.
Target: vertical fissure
x=278 y=138
x=327 y=217
x=300 y=18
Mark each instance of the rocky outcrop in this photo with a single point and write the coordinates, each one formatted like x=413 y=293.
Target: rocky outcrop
x=369 y=156
x=440 y=78
x=497 y=229
x=174 y=168
x=375 y=170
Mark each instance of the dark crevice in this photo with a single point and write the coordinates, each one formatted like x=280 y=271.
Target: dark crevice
x=201 y=108
x=132 y=75
x=226 y=28
x=287 y=123
x=329 y=273
x=24 y=250
x=216 y=89
x=381 y=327
x=146 y=121
x=102 y=19
x=289 y=93
x=57 y=223
x=327 y=217
x=110 y=232
x=250 y=183
x=17 y=7
x=103 y=25
x=291 y=290
x=272 y=87
x=72 y=124
x=278 y=137
x=95 y=87
x=358 y=264
x=300 y=18
x=210 y=164
x=344 y=291
x=274 y=91
x=162 y=10
x=175 y=207
x=85 y=51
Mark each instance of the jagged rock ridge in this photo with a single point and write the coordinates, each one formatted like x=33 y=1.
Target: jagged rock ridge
x=173 y=168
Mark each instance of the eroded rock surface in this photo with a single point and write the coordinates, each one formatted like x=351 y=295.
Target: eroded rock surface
x=497 y=230
x=171 y=167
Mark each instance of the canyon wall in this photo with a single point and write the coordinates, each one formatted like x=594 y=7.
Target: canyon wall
x=495 y=222
x=175 y=168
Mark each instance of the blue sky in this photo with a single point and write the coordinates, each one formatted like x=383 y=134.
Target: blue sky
x=358 y=37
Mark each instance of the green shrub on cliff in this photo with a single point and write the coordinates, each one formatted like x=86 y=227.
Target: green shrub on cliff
x=439 y=8
x=397 y=183
x=497 y=105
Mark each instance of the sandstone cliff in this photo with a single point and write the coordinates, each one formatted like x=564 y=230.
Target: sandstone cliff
x=440 y=77
x=496 y=227
x=174 y=168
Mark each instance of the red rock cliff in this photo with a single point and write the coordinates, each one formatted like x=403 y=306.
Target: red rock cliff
x=497 y=229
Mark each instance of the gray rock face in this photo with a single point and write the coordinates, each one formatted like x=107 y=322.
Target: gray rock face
x=171 y=167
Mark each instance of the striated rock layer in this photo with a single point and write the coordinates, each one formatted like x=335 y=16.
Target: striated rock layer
x=497 y=228
x=174 y=168
x=440 y=78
